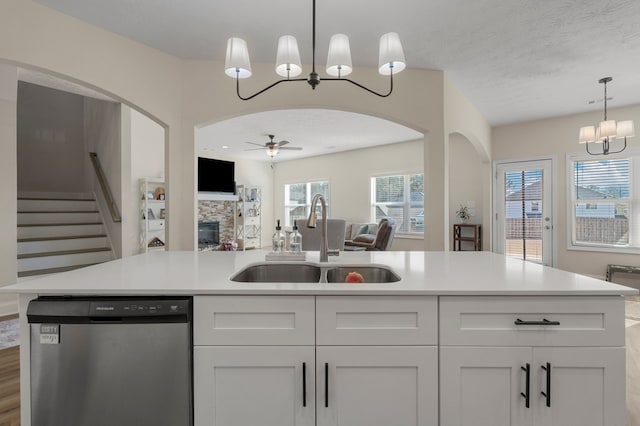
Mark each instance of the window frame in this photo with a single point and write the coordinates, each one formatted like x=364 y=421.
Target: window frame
x=633 y=247
x=308 y=198
x=406 y=204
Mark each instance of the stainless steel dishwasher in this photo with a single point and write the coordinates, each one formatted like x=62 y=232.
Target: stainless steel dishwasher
x=111 y=361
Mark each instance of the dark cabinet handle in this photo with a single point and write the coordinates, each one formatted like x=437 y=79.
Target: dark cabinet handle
x=304 y=384
x=326 y=384
x=547 y=394
x=525 y=394
x=544 y=321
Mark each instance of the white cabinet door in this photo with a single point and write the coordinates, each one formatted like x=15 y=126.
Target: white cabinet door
x=484 y=386
x=377 y=386
x=586 y=386
x=251 y=385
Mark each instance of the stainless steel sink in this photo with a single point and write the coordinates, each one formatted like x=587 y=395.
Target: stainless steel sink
x=279 y=273
x=371 y=274
x=308 y=273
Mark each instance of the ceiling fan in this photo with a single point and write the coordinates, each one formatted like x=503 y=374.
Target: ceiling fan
x=272 y=147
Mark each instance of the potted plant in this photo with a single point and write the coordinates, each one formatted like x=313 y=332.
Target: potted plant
x=463 y=214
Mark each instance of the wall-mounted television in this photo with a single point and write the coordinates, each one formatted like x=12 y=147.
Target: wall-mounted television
x=216 y=175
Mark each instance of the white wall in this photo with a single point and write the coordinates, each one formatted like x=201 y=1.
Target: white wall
x=557 y=137
x=102 y=136
x=50 y=141
x=349 y=174
x=8 y=193
x=144 y=153
x=466 y=178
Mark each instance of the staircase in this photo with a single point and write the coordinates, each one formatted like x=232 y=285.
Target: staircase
x=59 y=234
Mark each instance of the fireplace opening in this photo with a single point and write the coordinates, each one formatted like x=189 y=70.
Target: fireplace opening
x=208 y=234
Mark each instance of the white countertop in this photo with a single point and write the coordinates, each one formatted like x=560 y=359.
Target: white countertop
x=434 y=273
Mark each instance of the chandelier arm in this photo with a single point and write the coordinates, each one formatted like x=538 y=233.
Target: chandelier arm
x=623 y=147
x=382 y=95
x=589 y=152
x=265 y=89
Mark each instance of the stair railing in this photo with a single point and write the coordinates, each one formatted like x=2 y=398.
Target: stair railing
x=106 y=191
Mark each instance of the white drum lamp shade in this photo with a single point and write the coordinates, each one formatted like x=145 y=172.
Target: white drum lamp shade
x=288 y=57
x=587 y=134
x=391 y=57
x=339 y=56
x=237 y=60
x=625 y=129
x=607 y=129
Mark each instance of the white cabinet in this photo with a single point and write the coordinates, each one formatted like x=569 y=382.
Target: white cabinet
x=152 y=214
x=249 y=212
x=566 y=386
x=254 y=385
x=532 y=361
x=377 y=385
x=257 y=361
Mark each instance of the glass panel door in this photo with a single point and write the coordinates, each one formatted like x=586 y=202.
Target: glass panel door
x=523 y=211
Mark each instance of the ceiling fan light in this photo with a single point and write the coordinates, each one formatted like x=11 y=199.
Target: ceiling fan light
x=339 y=56
x=237 y=63
x=391 y=58
x=625 y=129
x=587 y=134
x=272 y=152
x=607 y=129
x=288 y=57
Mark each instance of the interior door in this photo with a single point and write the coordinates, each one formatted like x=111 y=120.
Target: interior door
x=524 y=211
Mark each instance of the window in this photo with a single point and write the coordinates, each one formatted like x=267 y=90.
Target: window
x=297 y=200
x=602 y=197
x=400 y=197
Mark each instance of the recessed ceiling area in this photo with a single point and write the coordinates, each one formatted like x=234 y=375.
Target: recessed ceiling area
x=516 y=60
x=316 y=131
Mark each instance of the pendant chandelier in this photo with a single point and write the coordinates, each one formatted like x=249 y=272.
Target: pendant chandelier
x=391 y=61
x=607 y=130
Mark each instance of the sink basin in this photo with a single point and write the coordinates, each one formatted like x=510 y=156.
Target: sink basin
x=371 y=274
x=306 y=273
x=279 y=273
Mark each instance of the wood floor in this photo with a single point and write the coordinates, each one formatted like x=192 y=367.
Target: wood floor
x=10 y=386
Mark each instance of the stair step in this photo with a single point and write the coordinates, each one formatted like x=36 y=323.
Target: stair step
x=62 y=252
x=70 y=237
x=55 y=204
x=51 y=270
x=37 y=218
x=58 y=224
x=39 y=245
x=63 y=259
x=59 y=230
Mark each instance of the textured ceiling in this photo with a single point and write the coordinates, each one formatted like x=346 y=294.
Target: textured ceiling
x=516 y=60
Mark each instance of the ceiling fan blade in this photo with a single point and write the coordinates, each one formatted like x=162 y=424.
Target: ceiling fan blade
x=256 y=144
x=292 y=148
x=282 y=143
x=255 y=149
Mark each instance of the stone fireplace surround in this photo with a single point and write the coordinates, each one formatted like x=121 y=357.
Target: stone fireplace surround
x=218 y=211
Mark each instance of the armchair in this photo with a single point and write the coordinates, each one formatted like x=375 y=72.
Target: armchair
x=382 y=241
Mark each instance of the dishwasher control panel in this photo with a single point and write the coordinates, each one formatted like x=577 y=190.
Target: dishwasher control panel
x=129 y=308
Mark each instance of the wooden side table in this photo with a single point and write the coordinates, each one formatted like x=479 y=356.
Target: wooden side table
x=467 y=232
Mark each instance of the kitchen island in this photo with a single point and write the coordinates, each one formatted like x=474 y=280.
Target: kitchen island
x=461 y=339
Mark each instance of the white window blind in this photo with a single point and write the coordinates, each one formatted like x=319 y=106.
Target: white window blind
x=298 y=198
x=400 y=197
x=601 y=203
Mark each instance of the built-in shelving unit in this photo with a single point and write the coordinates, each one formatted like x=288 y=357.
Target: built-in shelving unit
x=152 y=214
x=248 y=212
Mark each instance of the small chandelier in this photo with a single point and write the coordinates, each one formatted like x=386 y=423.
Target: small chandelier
x=391 y=61
x=606 y=130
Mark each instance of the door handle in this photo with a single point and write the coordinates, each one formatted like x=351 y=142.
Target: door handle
x=544 y=321
x=547 y=394
x=304 y=384
x=525 y=394
x=326 y=384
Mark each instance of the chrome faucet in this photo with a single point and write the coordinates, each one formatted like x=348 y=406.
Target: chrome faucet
x=311 y=223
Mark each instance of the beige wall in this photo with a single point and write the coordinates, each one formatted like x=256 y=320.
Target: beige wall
x=556 y=138
x=8 y=192
x=349 y=174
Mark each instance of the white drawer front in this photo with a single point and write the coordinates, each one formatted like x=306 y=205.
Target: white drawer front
x=377 y=320
x=521 y=321
x=254 y=320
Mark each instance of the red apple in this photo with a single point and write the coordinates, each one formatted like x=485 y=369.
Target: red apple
x=354 y=277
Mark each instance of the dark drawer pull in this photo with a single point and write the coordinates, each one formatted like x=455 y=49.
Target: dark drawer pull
x=527 y=385
x=547 y=394
x=544 y=321
x=326 y=384
x=304 y=384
